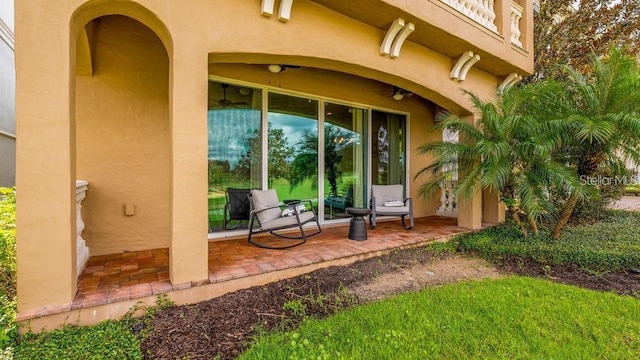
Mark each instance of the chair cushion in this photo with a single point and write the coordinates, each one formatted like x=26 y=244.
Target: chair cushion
x=392 y=210
x=385 y=193
x=287 y=221
x=263 y=199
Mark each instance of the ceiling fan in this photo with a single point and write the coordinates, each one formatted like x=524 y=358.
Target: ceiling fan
x=277 y=68
x=226 y=103
x=398 y=93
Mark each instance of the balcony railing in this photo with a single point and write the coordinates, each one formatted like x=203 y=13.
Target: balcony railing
x=448 y=202
x=516 y=15
x=482 y=12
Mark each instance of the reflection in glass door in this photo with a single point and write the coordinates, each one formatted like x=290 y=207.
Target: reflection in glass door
x=344 y=159
x=293 y=147
x=388 y=151
x=233 y=122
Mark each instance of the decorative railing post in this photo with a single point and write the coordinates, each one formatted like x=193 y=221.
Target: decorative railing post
x=516 y=16
x=448 y=201
x=481 y=11
x=81 y=245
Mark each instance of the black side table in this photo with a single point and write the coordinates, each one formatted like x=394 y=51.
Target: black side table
x=357 y=226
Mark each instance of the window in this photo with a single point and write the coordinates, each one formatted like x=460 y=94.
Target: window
x=304 y=148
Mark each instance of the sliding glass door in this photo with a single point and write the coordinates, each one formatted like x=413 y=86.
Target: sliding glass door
x=304 y=148
x=235 y=150
x=293 y=147
x=388 y=148
x=344 y=158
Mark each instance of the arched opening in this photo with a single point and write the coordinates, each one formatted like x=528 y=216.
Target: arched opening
x=123 y=137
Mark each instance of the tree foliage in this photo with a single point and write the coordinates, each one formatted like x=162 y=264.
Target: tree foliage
x=568 y=31
x=305 y=164
x=279 y=157
x=538 y=145
x=598 y=110
x=506 y=152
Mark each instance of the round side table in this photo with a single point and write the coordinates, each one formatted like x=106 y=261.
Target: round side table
x=357 y=225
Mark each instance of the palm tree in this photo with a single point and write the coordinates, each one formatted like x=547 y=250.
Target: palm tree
x=305 y=163
x=504 y=152
x=600 y=116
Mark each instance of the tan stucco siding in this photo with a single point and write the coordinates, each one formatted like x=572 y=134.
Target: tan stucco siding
x=46 y=211
x=123 y=140
x=135 y=120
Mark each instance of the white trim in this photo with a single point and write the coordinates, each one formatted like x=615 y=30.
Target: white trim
x=264 y=146
x=7 y=133
x=7 y=35
x=321 y=118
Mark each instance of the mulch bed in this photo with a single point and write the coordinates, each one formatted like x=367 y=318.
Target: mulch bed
x=621 y=282
x=225 y=326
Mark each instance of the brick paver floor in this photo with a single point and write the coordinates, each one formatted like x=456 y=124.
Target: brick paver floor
x=130 y=275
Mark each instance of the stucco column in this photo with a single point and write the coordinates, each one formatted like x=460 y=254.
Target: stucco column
x=45 y=173
x=188 y=109
x=470 y=207
x=493 y=208
x=470 y=211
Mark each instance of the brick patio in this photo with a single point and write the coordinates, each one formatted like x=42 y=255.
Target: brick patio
x=130 y=275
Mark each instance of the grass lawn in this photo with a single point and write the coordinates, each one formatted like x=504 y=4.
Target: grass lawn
x=494 y=319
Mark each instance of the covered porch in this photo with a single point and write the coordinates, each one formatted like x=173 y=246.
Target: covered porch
x=110 y=285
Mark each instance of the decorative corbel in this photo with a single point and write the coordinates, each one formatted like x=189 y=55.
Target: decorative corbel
x=508 y=82
x=467 y=67
x=267 y=7
x=394 y=29
x=464 y=64
x=284 y=14
x=395 y=37
x=399 y=40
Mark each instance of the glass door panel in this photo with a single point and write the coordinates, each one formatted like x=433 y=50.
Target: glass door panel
x=344 y=159
x=388 y=153
x=293 y=147
x=234 y=160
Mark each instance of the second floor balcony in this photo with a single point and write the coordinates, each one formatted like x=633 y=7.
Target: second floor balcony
x=499 y=30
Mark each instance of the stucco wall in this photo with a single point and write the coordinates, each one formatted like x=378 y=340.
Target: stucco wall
x=140 y=138
x=122 y=138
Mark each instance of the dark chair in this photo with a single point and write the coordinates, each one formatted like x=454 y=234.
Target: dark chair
x=237 y=207
x=388 y=200
x=268 y=214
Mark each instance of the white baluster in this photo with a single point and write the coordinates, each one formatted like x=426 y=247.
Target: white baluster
x=443 y=198
x=81 y=245
x=516 y=15
x=481 y=11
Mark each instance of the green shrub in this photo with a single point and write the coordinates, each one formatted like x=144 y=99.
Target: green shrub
x=632 y=189
x=8 y=242
x=612 y=244
x=8 y=328
x=108 y=340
